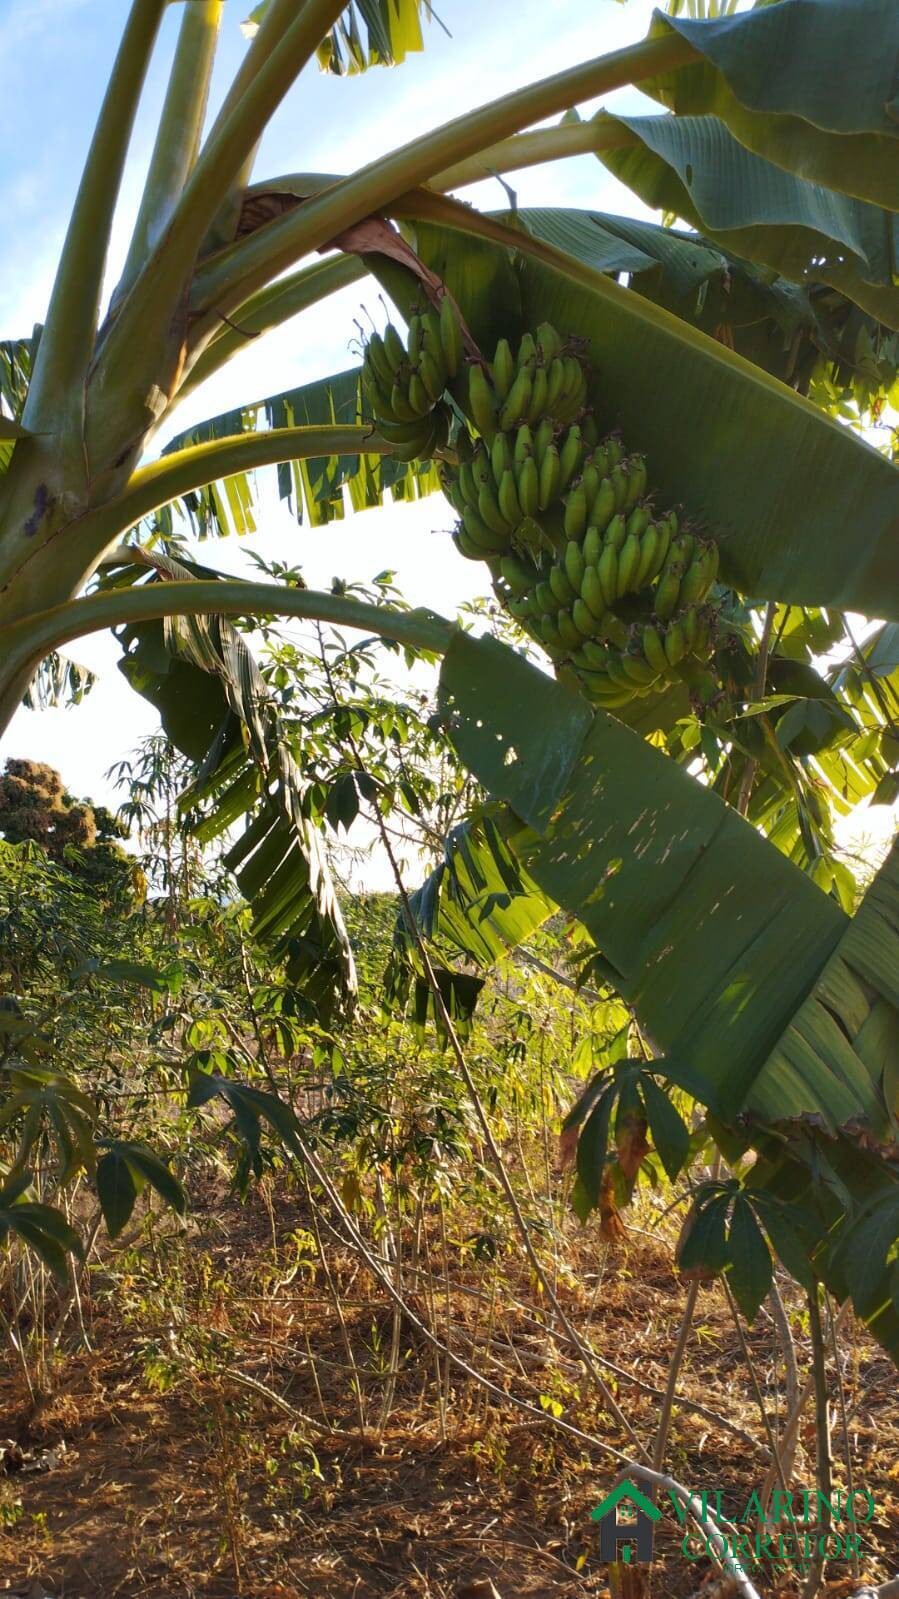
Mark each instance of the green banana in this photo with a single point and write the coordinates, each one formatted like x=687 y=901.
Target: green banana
x=575 y=512
x=467 y=485
x=549 y=341
x=595 y=654
x=570 y=456
x=636 y=479
x=639 y=520
x=500 y=457
x=508 y=499
x=423 y=446
x=590 y=430
x=628 y=561
x=619 y=676
x=555 y=382
x=419 y=398
x=592 y=545
x=613 y=629
x=516 y=405
x=543 y=438
x=571 y=637
x=450 y=336
x=490 y=513
x=592 y=592
x=675 y=644
x=703 y=642
x=503 y=368
x=524 y=444
x=649 y=549
x=481 y=469
x=402 y=405
x=481 y=402
x=431 y=376
x=664 y=528
x=537 y=404
x=603 y=508
x=432 y=343
x=654 y=650
x=574 y=564
x=591 y=481
x=665 y=598
x=487 y=539
x=376 y=359
x=583 y=617
x=607 y=572
x=545 y=598
x=611 y=698
x=616 y=532
x=639 y=670
x=618 y=480
x=519 y=577
x=528 y=486
x=689 y=621
x=563 y=591
x=692 y=587
x=394 y=349
x=414 y=341
x=400 y=432
x=550 y=476
x=466 y=546
x=527 y=352
x=550 y=634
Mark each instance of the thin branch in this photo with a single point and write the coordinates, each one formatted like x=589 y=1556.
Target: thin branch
x=27 y=641
x=231 y=140
x=180 y=130
x=271 y=308
x=756 y=1386
x=533 y=149
x=166 y=479
x=233 y=274
x=823 y=1459
x=844 y=1419
x=68 y=338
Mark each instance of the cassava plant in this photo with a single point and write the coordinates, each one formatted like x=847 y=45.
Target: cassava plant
x=722 y=366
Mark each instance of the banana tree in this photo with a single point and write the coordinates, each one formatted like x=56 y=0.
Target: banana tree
x=727 y=412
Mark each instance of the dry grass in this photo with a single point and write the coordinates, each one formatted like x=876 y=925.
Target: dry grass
x=210 y=1489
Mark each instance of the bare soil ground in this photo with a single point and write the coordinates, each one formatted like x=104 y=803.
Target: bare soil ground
x=171 y=1476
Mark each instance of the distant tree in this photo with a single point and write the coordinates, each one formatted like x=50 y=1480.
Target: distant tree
x=35 y=806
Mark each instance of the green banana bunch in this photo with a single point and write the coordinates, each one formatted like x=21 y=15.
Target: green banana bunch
x=405 y=383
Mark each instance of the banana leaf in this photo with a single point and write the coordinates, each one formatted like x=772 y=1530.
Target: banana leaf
x=478 y=901
x=781 y=1011
x=798 y=333
x=694 y=167
x=368 y=33
x=313 y=488
x=791 y=530
x=809 y=84
x=706 y=929
x=846 y=1032
x=216 y=708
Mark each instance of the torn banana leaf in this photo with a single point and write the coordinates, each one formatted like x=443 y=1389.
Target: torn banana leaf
x=808 y=84
x=216 y=708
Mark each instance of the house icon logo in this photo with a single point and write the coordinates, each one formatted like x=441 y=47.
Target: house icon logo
x=613 y=1532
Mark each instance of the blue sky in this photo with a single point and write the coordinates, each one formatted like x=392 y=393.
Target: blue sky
x=56 y=55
